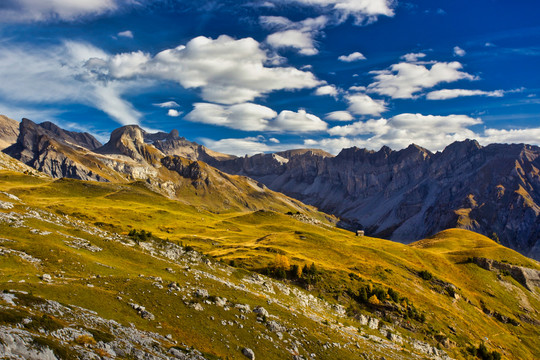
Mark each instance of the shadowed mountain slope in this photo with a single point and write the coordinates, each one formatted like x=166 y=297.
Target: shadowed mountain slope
x=413 y=193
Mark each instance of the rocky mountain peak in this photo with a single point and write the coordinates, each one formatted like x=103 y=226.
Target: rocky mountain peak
x=128 y=133
x=354 y=154
x=30 y=136
x=174 y=135
x=129 y=141
x=51 y=130
x=9 y=131
x=462 y=148
x=83 y=139
x=288 y=154
x=162 y=136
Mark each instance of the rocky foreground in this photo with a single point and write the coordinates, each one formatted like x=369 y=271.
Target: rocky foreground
x=284 y=317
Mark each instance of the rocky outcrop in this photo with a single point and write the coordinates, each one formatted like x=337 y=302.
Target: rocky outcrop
x=186 y=168
x=55 y=152
x=129 y=141
x=173 y=144
x=410 y=194
x=75 y=138
x=9 y=131
x=529 y=278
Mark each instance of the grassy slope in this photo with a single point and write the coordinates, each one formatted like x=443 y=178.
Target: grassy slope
x=253 y=239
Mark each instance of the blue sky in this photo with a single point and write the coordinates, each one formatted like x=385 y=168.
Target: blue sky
x=266 y=75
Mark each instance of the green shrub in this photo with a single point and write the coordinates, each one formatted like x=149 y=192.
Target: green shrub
x=140 y=235
x=393 y=295
x=483 y=353
x=426 y=275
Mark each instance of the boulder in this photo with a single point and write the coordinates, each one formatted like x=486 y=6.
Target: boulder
x=261 y=311
x=201 y=293
x=248 y=353
x=373 y=323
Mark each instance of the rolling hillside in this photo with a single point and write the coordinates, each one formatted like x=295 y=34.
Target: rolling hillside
x=72 y=243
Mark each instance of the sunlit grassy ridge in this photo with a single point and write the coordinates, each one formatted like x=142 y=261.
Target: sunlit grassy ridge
x=252 y=239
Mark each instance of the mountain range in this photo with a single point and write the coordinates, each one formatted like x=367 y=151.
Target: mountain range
x=401 y=195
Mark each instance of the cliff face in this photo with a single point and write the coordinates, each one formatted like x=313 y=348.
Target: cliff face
x=173 y=144
x=410 y=194
x=9 y=131
x=55 y=152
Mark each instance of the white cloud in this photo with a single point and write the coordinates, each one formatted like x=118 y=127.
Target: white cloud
x=339 y=116
x=63 y=74
x=248 y=117
x=174 y=113
x=297 y=39
x=330 y=90
x=298 y=122
x=358 y=88
x=454 y=93
x=127 y=34
x=459 y=51
x=360 y=128
x=108 y=99
x=430 y=131
x=515 y=136
x=247 y=146
x=275 y=22
x=362 y=104
x=405 y=80
x=239 y=147
x=226 y=70
x=45 y=10
x=355 y=56
x=426 y=123
x=253 y=117
x=363 y=11
x=28 y=111
x=413 y=57
x=333 y=145
x=296 y=35
x=167 y=104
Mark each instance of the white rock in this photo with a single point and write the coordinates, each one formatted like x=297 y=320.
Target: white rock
x=373 y=323
x=261 y=311
x=248 y=353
